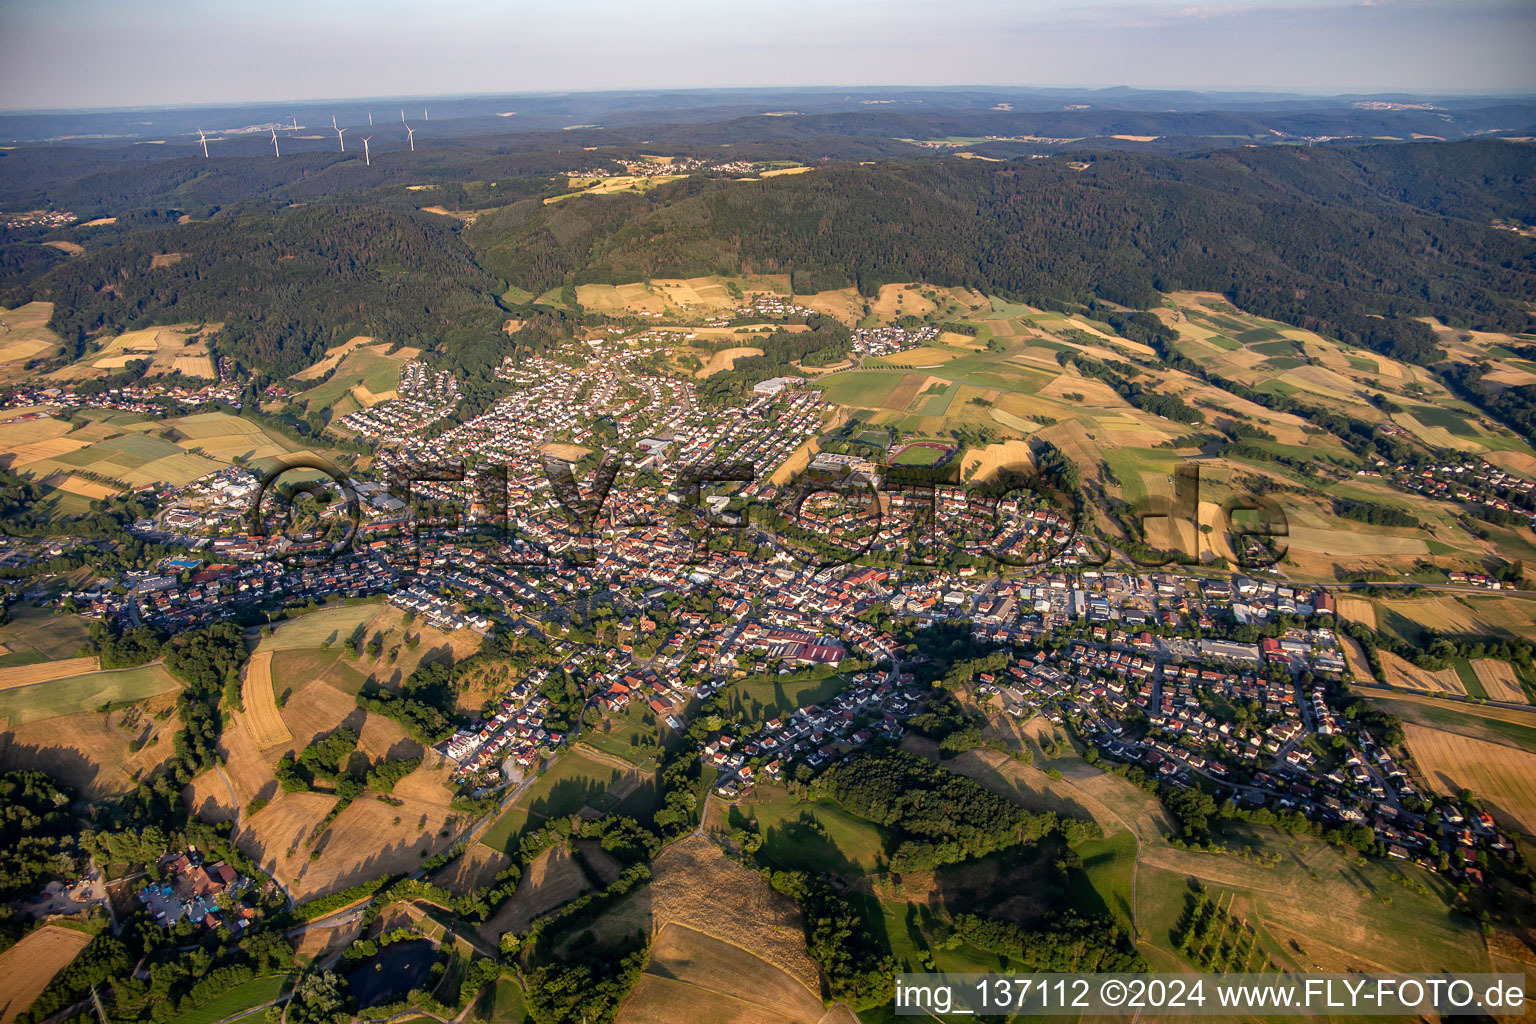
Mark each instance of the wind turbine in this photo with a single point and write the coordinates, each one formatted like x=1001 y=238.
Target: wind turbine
x=204 y=140
x=370 y=119
x=402 y=115
x=367 y=160
x=274 y=143
x=339 y=136
x=410 y=133
x=424 y=116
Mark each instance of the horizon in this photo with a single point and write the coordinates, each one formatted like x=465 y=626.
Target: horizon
x=124 y=58
x=1036 y=90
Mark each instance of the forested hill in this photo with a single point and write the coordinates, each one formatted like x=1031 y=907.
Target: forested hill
x=286 y=285
x=1333 y=239
x=1354 y=242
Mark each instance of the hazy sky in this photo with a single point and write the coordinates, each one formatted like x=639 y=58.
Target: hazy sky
x=74 y=53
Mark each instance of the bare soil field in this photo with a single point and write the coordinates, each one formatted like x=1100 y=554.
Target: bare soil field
x=718 y=982
x=27 y=967
x=261 y=716
x=46 y=672
x=1503 y=778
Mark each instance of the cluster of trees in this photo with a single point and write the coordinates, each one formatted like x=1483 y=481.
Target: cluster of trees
x=1118 y=376
x=939 y=817
x=860 y=969
x=425 y=704
x=1373 y=513
x=1072 y=944
x=36 y=832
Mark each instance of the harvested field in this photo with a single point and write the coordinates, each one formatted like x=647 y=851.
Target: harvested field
x=44 y=672
x=554 y=878
x=694 y=884
x=475 y=868
x=262 y=717
x=1402 y=675
x=599 y=861
x=1503 y=778
x=1354 y=657
x=1356 y=609
x=79 y=485
x=24 y=704
x=27 y=967
x=725 y=359
x=371 y=837
x=1499 y=680
x=720 y=984
x=89 y=750
x=983 y=464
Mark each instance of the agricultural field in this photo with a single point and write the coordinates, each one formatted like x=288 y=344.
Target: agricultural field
x=328 y=626
x=179 y=348
x=25 y=336
x=94 y=751
x=627 y=736
x=241 y=997
x=839 y=842
x=574 y=780
x=332 y=359
x=30 y=675
x=1338 y=912
x=365 y=371
x=27 y=967
x=224 y=436
x=695 y=885
x=1503 y=778
x=725 y=359
x=126 y=460
x=259 y=700
x=719 y=982
x=83 y=691
x=553 y=879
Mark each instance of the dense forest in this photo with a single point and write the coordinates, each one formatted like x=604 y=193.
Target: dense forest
x=1332 y=239
x=1357 y=243
x=284 y=285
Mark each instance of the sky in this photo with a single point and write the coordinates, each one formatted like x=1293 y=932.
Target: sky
x=113 y=53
